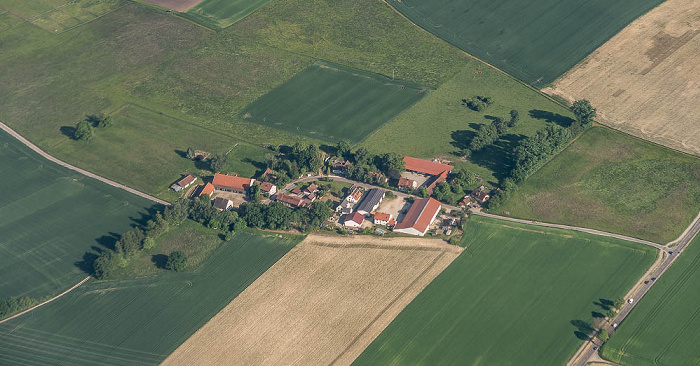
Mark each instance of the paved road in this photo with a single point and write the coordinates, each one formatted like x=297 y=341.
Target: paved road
x=586 y=353
x=44 y=154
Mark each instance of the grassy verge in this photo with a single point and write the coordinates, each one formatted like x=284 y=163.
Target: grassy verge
x=138 y=321
x=613 y=182
x=441 y=125
x=516 y=295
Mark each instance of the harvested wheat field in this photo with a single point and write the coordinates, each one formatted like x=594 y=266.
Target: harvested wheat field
x=323 y=303
x=646 y=79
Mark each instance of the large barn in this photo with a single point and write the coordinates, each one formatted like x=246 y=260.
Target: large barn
x=231 y=183
x=419 y=217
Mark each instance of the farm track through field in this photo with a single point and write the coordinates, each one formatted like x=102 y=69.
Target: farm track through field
x=47 y=301
x=45 y=155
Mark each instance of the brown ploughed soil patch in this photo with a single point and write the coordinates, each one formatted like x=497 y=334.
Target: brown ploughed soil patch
x=321 y=304
x=646 y=79
x=177 y=5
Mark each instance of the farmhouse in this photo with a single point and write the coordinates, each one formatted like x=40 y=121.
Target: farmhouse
x=480 y=195
x=406 y=184
x=354 y=220
x=208 y=189
x=222 y=204
x=371 y=201
x=231 y=183
x=340 y=166
x=438 y=171
x=419 y=217
x=183 y=183
x=292 y=201
x=465 y=201
x=382 y=218
x=354 y=194
x=312 y=188
x=268 y=188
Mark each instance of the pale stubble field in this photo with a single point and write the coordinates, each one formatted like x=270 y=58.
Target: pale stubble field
x=646 y=80
x=321 y=304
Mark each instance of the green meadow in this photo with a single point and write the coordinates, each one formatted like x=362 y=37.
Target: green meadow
x=50 y=217
x=138 y=321
x=515 y=296
x=536 y=41
x=332 y=103
x=223 y=13
x=614 y=182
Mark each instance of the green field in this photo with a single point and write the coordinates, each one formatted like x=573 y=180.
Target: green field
x=440 y=125
x=223 y=13
x=154 y=164
x=49 y=217
x=664 y=327
x=536 y=41
x=510 y=298
x=332 y=103
x=613 y=182
x=138 y=321
x=56 y=15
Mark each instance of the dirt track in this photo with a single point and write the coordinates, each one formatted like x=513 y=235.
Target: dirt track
x=646 y=79
x=321 y=304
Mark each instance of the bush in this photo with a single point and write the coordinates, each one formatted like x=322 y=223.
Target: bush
x=83 y=131
x=177 y=261
x=148 y=243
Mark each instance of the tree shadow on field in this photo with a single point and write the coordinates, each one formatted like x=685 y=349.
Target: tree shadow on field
x=159 y=260
x=257 y=164
x=604 y=304
x=182 y=154
x=583 y=329
x=461 y=138
x=557 y=118
x=499 y=156
x=86 y=265
x=108 y=241
x=68 y=131
x=597 y=315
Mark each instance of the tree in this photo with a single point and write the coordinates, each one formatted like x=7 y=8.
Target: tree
x=254 y=214
x=442 y=191
x=343 y=149
x=318 y=213
x=277 y=216
x=584 y=112
x=486 y=135
x=104 y=264
x=190 y=153
x=130 y=243
x=83 y=131
x=177 y=261
x=500 y=125
x=514 y=118
x=421 y=192
x=362 y=156
x=148 y=243
x=603 y=335
x=390 y=163
x=254 y=193
x=218 y=163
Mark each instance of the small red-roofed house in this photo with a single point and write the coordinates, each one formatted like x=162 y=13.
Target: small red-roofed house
x=207 y=190
x=268 y=188
x=354 y=220
x=183 y=183
x=381 y=218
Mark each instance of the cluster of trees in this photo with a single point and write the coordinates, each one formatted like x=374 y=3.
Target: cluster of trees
x=459 y=182
x=506 y=190
x=14 y=305
x=177 y=261
x=365 y=163
x=534 y=151
x=277 y=216
x=488 y=134
x=300 y=159
x=478 y=103
x=84 y=130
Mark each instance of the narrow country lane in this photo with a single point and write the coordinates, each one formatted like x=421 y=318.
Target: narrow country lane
x=41 y=152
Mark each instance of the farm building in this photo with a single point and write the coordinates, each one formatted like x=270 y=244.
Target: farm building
x=222 y=204
x=382 y=218
x=340 y=166
x=354 y=220
x=465 y=201
x=312 y=188
x=296 y=191
x=354 y=194
x=480 y=195
x=268 y=188
x=425 y=166
x=406 y=184
x=419 y=217
x=371 y=201
x=208 y=189
x=231 y=183
x=292 y=201
x=183 y=183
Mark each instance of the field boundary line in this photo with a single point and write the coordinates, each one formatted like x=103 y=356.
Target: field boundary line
x=51 y=158
x=47 y=301
x=567 y=227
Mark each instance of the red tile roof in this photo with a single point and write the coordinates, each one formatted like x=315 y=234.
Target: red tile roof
x=296 y=191
x=208 y=189
x=382 y=216
x=291 y=200
x=187 y=180
x=266 y=186
x=355 y=217
x=420 y=214
x=311 y=188
x=425 y=166
x=230 y=182
x=440 y=178
x=405 y=182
